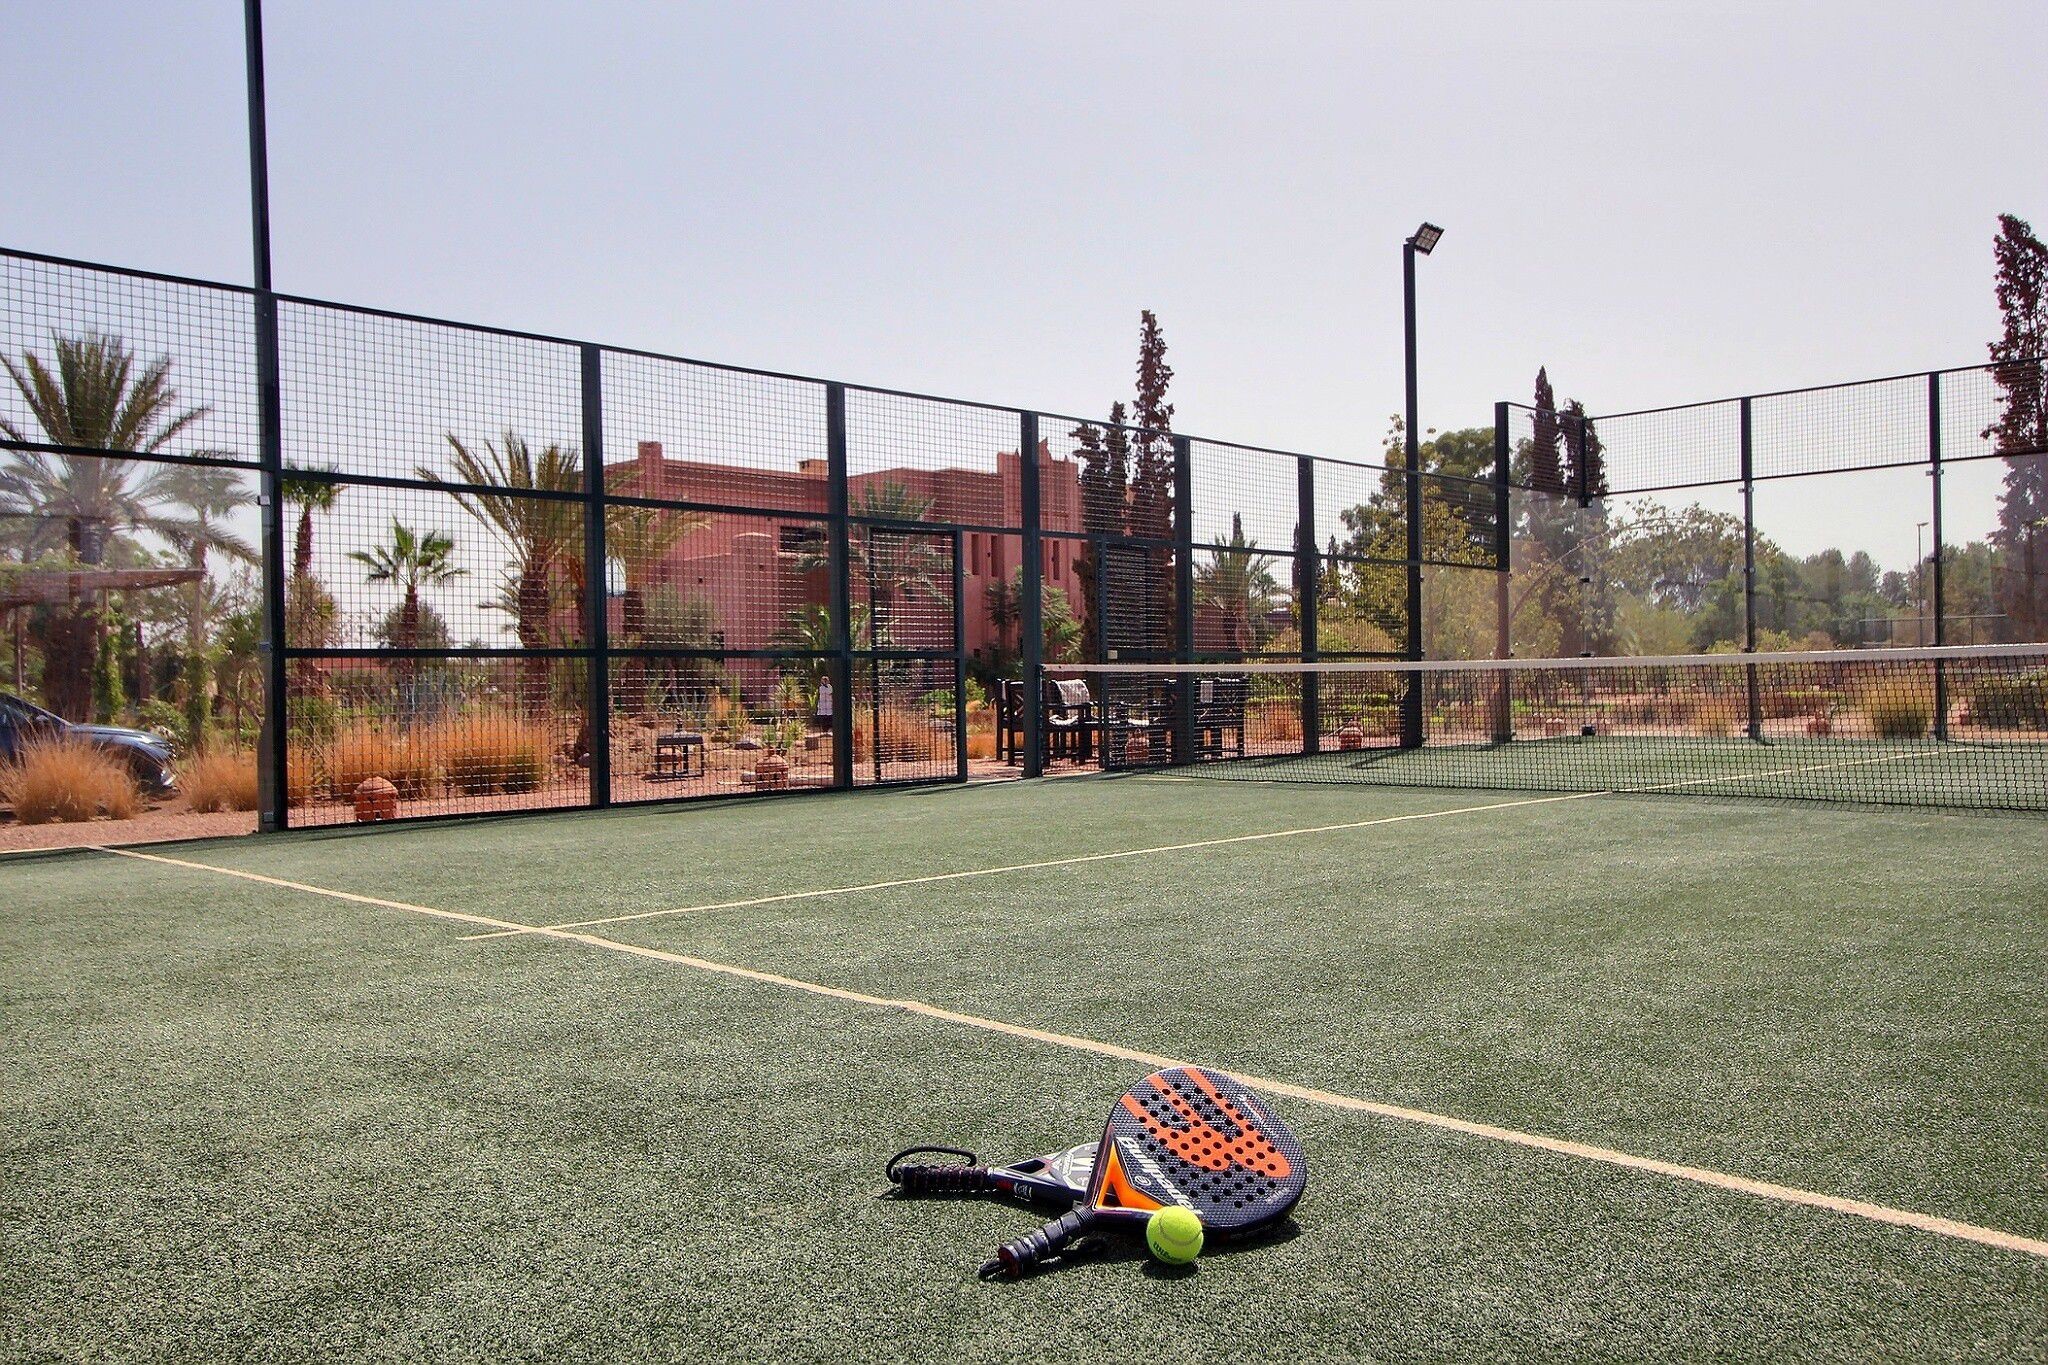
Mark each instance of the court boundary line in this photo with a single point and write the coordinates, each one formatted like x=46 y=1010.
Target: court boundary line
x=1955 y=1229
x=786 y=897
x=1076 y=859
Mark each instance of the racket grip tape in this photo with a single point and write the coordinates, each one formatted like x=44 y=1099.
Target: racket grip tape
x=1017 y=1258
x=945 y=1179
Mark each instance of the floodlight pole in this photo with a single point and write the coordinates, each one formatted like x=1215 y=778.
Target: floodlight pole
x=1411 y=703
x=271 y=800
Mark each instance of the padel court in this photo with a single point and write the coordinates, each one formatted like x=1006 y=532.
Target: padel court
x=1576 y=1074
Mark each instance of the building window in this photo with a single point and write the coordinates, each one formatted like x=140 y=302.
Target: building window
x=801 y=538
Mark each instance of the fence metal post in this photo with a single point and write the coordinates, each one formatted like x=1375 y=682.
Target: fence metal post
x=1184 y=594
x=841 y=562
x=1308 y=592
x=1756 y=713
x=1030 y=607
x=1503 y=550
x=1936 y=606
x=1580 y=464
x=596 y=564
x=959 y=657
x=273 y=748
x=273 y=799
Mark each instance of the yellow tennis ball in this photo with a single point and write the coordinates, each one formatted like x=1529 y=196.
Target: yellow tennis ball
x=1174 y=1235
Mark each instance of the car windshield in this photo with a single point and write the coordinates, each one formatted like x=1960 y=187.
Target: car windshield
x=19 y=712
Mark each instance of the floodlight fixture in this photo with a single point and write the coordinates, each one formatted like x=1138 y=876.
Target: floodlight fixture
x=1426 y=237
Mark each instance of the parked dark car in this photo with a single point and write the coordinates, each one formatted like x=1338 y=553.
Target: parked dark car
x=146 y=756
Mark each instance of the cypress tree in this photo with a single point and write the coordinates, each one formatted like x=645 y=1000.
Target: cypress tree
x=2021 y=432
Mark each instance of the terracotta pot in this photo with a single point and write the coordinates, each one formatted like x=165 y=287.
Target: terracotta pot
x=1138 y=748
x=1351 y=737
x=772 y=771
x=376 y=799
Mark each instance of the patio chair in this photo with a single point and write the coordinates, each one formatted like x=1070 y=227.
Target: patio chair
x=1069 y=719
x=1144 y=708
x=1009 y=720
x=1219 y=715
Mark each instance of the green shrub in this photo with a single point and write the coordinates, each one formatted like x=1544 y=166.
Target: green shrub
x=166 y=719
x=2015 y=703
x=312 y=718
x=1898 y=709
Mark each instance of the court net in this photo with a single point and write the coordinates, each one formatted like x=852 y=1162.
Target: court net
x=1955 y=727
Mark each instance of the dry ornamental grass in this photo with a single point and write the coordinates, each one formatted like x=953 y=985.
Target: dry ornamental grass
x=66 y=780
x=362 y=753
x=907 y=736
x=483 y=755
x=220 y=779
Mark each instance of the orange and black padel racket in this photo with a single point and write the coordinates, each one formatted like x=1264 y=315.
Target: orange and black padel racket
x=1186 y=1136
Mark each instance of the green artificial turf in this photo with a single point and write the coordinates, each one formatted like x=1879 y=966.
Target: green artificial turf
x=245 y=1122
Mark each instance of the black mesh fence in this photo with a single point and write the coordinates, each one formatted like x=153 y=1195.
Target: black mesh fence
x=504 y=571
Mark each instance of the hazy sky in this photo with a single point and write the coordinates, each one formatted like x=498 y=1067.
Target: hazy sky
x=1660 y=202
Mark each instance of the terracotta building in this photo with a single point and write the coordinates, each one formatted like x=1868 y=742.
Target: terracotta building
x=758 y=570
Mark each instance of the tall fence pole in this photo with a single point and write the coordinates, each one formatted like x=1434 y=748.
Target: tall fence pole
x=596 y=561
x=1938 y=608
x=841 y=561
x=1184 y=593
x=1308 y=593
x=1756 y=714
x=1411 y=701
x=1503 y=549
x=1031 y=608
x=272 y=799
x=958 y=546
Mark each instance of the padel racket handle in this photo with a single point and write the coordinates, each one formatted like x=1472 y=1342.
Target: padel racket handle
x=1015 y=1259
x=945 y=1179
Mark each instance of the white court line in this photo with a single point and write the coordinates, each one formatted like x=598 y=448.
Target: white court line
x=788 y=896
x=1049 y=862
x=1699 y=1175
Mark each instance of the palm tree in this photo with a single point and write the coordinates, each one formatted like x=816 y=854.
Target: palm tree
x=887 y=561
x=541 y=534
x=208 y=495
x=413 y=560
x=638 y=538
x=1005 y=610
x=309 y=493
x=1237 y=584
x=809 y=629
x=95 y=399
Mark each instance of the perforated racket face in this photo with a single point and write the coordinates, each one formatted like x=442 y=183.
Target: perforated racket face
x=1200 y=1139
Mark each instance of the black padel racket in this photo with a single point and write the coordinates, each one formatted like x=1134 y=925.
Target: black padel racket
x=1057 y=1179
x=1186 y=1136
